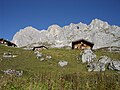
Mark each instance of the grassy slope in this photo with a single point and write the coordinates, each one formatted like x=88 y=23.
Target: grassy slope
x=27 y=61
x=48 y=75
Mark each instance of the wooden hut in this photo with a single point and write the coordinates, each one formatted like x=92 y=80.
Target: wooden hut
x=82 y=44
x=7 y=43
x=1 y=41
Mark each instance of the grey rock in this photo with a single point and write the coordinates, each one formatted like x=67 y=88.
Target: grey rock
x=98 y=32
x=114 y=65
x=48 y=57
x=100 y=64
x=9 y=55
x=62 y=63
x=96 y=67
x=114 y=49
x=42 y=59
x=88 y=56
x=38 y=54
x=13 y=72
x=104 y=60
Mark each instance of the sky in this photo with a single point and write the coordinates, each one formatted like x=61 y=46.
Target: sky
x=40 y=14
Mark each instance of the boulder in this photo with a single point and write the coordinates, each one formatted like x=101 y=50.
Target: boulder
x=36 y=52
x=48 y=57
x=104 y=60
x=62 y=63
x=13 y=72
x=42 y=59
x=39 y=55
x=114 y=65
x=9 y=55
x=100 y=64
x=88 y=56
x=96 y=67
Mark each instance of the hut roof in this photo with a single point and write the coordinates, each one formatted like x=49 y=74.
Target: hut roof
x=8 y=42
x=39 y=47
x=82 y=40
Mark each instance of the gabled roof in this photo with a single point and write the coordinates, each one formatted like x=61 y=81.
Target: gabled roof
x=8 y=42
x=84 y=41
x=1 y=39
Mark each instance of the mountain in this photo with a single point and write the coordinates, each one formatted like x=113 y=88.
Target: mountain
x=99 y=32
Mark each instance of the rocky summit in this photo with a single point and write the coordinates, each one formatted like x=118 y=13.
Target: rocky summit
x=98 y=32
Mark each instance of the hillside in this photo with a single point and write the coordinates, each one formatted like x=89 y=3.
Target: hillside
x=27 y=61
x=98 y=32
x=33 y=67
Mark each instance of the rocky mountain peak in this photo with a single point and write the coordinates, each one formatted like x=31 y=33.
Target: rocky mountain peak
x=97 y=21
x=99 y=24
x=98 y=32
x=29 y=29
x=54 y=27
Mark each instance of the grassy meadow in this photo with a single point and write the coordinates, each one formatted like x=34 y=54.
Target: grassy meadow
x=48 y=75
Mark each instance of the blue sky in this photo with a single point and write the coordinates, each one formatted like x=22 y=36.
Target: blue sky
x=18 y=14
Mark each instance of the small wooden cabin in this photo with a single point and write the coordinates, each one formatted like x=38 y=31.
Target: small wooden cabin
x=39 y=48
x=82 y=44
x=7 y=43
x=1 y=41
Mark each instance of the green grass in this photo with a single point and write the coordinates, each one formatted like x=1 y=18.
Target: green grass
x=28 y=62
x=48 y=75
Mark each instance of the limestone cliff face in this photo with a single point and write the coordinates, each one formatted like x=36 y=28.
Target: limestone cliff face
x=98 y=32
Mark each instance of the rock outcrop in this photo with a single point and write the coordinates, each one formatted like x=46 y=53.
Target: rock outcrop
x=98 y=32
x=114 y=65
x=88 y=56
x=13 y=72
x=62 y=63
x=100 y=64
